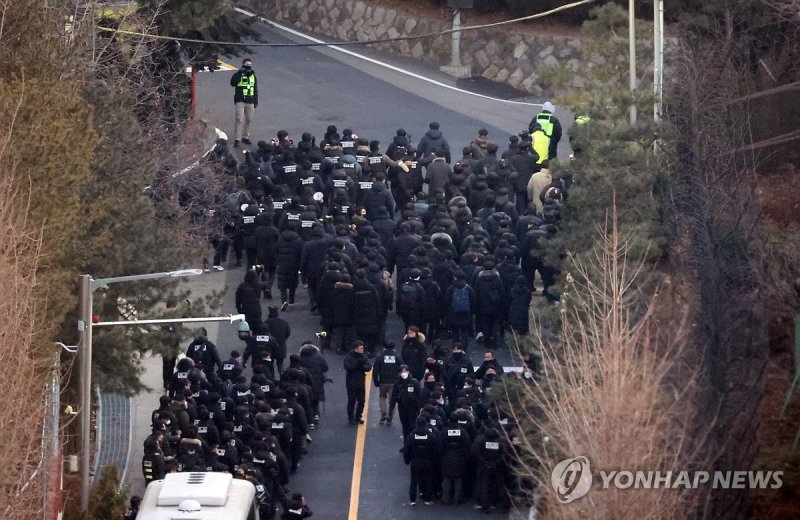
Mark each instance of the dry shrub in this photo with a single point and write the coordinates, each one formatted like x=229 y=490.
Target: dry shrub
x=611 y=389
x=21 y=409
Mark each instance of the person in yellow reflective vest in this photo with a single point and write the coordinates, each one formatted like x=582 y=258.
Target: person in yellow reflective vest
x=245 y=98
x=580 y=120
x=540 y=143
x=551 y=127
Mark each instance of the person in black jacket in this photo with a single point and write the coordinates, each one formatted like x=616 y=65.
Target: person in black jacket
x=260 y=346
x=133 y=511
x=456 y=445
x=296 y=508
x=432 y=306
x=490 y=450
x=267 y=236
x=153 y=466
x=399 y=147
x=459 y=306
x=411 y=300
x=248 y=298
x=339 y=310
x=232 y=368
x=414 y=353
x=204 y=354
x=421 y=452
x=381 y=280
x=289 y=250
x=520 y=301
x=432 y=140
x=401 y=247
x=313 y=259
x=356 y=366
x=366 y=312
x=383 y=224
x=311 y=358
x=489 y=362
x=280 y=330
x=456 y=369
x=378 y=196
x=384 y=375
x=405 y=395
x=490 y=294
x=247 y=225
x=246 y=100
x=523 y=161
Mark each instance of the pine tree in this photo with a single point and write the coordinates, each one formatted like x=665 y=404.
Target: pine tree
x=617 y=158
x=51 y=144
x=211 y=20
x=107 y=500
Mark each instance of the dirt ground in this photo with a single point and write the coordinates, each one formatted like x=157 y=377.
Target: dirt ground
x=779 y=197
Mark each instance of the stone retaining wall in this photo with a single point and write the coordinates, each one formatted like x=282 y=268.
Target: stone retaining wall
x=496 y=55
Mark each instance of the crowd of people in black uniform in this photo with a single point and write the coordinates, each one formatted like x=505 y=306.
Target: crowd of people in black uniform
x=356 y=224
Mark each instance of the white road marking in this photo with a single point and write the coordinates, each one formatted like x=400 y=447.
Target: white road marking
x=381 y=63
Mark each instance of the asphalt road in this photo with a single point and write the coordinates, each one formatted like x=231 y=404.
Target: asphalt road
x=306 y=89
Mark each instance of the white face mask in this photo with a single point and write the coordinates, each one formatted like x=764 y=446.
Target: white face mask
x=404 y=375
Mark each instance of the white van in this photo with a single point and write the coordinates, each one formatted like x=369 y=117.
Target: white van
x=199 y=496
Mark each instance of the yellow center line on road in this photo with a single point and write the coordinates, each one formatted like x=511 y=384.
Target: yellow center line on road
x=226 y=66
x=358 y=457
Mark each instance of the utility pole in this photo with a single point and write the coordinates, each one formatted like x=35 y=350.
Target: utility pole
x=87 y=287
x=455 y=68
x=85 y=350
x=632 y=55
x=658 y=58
x=455 y=51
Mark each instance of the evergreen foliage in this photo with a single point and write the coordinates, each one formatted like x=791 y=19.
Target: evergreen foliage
x=617 y=158
x=107 y=500
x=87 y=133
x=51 y=142
x=212 y=20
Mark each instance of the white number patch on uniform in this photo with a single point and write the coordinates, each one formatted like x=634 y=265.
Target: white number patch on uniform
x=492 y=445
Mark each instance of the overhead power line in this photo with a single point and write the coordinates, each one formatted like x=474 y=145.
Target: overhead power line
x=364 y=42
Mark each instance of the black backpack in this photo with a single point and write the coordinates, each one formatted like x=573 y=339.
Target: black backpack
x=408 y=296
